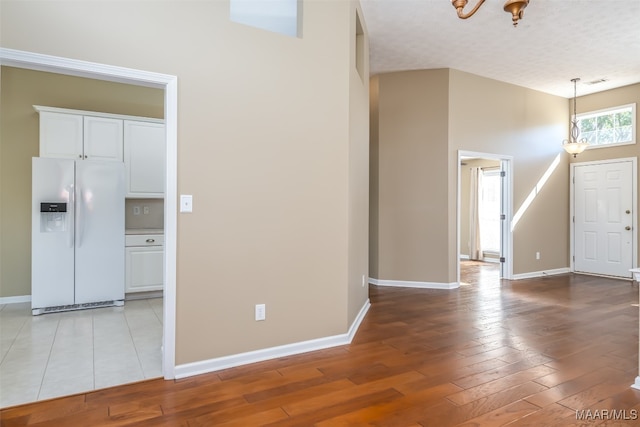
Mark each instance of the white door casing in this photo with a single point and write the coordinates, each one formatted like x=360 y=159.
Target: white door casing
x=506 y=205
x=169 y=83
x=604 y=217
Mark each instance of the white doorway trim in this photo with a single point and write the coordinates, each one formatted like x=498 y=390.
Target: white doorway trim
x=169 y=83
x=634 y=203
x=506 y=164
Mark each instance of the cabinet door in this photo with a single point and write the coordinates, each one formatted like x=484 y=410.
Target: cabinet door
x=144 y=157
x=61 y=135
x=102 y=138
x=143 y=268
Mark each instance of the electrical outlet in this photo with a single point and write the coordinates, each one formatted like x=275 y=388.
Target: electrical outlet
x=261 y=312
x=136 y=210
x=537 y=255
x=145 y=210
x=364 y=281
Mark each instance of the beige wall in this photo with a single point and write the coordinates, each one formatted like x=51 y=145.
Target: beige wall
x=20 y=90
x=374 y=201
x=425 y=118
x=358 y=170
x=412 y=162
x=153 y=220
x=494 y=117
x=611 y=98
x=264 y=138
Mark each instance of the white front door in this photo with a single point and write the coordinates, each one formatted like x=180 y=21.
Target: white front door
x=603 y=218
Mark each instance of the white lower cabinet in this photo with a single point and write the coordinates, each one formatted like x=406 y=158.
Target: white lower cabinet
x=144 y=262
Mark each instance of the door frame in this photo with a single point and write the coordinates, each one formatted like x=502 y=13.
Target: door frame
x=634 y=212
x=169 y=83
x=506 y=250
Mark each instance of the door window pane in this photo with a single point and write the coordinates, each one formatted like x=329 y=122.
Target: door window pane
x=490 y=212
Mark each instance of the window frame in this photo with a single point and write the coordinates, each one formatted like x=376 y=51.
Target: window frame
x=603 y=112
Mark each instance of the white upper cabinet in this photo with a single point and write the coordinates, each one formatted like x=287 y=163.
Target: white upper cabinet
x=61 y=135
x=102 y=138
x=144 y=158
x=80 y=137
x=91 y=135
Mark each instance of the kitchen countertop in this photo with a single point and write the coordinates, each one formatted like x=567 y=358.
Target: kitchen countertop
x=143 y=231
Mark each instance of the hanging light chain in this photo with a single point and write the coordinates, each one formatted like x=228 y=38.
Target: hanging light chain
x=575 y=131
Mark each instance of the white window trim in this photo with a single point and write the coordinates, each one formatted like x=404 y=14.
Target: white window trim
x=601 y=112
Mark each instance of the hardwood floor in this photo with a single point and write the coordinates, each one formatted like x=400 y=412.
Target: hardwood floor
x=523 y=353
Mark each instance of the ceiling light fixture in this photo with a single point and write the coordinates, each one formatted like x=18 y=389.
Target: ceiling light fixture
x=574 y=145
x=514 y=7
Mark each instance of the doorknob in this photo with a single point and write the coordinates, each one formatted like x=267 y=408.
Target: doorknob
x=627 y=228
x=627 y=211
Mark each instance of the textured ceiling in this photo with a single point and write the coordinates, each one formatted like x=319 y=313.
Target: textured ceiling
x=557 y=40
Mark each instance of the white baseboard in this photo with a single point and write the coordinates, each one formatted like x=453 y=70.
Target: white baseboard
x=16 y=299
x=358 y=320
x=410 y=284
x=211 y=365
x=543 y=273
x=636 y=384
x=143 y=295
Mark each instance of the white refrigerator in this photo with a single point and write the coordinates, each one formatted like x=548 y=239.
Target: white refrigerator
x=77 y=236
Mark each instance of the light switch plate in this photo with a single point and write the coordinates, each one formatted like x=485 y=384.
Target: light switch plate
x=186 y=203
x=261 y=312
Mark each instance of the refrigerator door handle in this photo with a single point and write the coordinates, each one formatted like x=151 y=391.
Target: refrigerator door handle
x=70 y=223
x=80 y=217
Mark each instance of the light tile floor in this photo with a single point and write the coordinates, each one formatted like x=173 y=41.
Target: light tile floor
x=59 y=354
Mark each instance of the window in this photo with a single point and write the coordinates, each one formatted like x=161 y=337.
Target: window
x=612 y=126
x=280 y=16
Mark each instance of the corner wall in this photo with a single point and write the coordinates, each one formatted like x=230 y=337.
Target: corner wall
x=424 y=119
x=374 y=188
x=412 y=168
x=358 y=164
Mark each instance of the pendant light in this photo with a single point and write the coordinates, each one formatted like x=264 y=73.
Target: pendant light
x=574 y=145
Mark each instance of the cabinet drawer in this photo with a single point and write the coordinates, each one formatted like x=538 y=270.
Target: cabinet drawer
x=144 y=240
